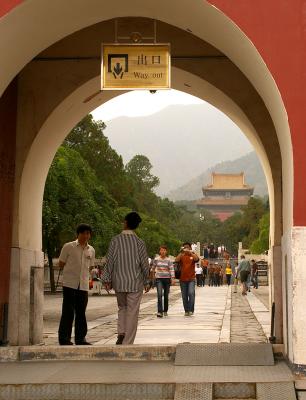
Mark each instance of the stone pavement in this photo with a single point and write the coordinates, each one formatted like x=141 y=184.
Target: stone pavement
x=220 y=316
x=245 y=328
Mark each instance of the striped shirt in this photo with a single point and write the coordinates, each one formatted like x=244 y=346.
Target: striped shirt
x=163 y=268
x=127 y=265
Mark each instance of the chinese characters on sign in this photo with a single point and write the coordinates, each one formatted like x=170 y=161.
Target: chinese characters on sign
x=134 y=66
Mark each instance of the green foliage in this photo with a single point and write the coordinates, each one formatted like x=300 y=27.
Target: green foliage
x=261 y=244
x=88 y=139
x=139 y=169
x=252 y=213
x=245 y=226
x=72 y=195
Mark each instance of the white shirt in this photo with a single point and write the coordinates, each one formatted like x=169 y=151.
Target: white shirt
x=77 y=261
x=198 y=270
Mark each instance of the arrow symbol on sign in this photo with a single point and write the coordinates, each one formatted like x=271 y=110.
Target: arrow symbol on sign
x=118 y=71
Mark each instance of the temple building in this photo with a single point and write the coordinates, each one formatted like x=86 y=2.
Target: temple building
x=226 y=194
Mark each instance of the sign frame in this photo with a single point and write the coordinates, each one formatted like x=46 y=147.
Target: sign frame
x=134 y=45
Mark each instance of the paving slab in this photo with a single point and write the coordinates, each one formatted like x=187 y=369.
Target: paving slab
x=261 y=312
x=193 y=391
x=276 y=391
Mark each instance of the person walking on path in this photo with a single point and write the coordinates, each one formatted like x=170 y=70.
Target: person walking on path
x=164 y=278
x=204 y=264
x=127 y=272
x=205 y=251
x=76 y=258
x=199 y=275
x=254 y=274
x=211 y=275
x=228 y=273
x=244 y=269
x=217 y=277
x=187 y=260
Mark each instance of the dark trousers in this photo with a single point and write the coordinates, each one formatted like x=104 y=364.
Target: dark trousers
x=163 y=289
x=199 y=279
x=255 y=281
x=188 y=295
x=74 y=307
x=228 y=279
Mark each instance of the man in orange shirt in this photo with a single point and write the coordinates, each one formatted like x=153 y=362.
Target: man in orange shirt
x=187 y=260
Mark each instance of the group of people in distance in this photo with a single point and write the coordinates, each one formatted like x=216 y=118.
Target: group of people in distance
x=129 y=273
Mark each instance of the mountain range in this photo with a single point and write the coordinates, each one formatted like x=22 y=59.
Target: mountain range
x=181 y=141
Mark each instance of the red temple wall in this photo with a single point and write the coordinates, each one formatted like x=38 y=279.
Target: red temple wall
x=278 y=30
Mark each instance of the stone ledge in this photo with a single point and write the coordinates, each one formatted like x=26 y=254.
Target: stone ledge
x=300 y=384
x=9 y=354
x=102 y=353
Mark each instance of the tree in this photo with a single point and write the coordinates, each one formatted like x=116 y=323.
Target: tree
x=88 y=139
x=139 y=169
x=261 y=244
x=251 y=215
x=73 y=195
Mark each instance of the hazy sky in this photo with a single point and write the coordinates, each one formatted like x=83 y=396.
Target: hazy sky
x=180 y=134
x=139 y=103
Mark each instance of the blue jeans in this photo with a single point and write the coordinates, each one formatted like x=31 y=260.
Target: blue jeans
x=255 y=281
x=188 y=295
x=163 y=288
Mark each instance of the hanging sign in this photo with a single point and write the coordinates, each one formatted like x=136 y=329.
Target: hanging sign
x=135 y=66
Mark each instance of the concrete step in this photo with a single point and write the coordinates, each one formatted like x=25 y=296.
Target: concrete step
x=240 y=354
x=230 y=390
x=134 y=372
x=227 y=353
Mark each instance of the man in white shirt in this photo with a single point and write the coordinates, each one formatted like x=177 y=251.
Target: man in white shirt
x=199 y=274
x=76 y=258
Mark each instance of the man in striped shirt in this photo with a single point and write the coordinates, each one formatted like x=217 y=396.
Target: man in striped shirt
x=127 y=272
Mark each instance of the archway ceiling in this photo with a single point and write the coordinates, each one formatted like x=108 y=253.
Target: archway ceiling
x=189 y=53
x=82 y=50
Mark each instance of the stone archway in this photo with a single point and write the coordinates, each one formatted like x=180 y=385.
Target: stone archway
x=67 y=96
x=271 y=123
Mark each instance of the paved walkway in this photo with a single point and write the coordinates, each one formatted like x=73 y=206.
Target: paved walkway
x=220 y=316
x=206 y=325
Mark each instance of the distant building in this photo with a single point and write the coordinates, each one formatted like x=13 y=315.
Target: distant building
x=226 y=194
